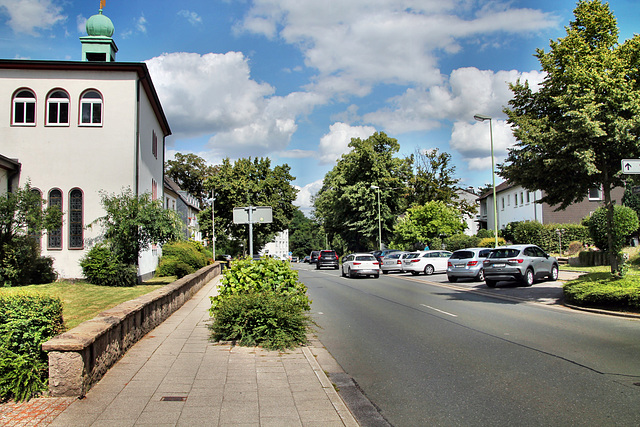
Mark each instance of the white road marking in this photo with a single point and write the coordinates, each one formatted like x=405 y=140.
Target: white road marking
x=440 y=311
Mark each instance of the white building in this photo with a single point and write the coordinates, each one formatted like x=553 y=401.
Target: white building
x=279 y=247
x=79 y=129
x=468 y=195
x=185 y=205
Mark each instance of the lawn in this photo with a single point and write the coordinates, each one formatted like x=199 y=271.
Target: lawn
x=83 y=301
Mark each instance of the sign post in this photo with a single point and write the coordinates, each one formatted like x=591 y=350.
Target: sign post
x=250 y=215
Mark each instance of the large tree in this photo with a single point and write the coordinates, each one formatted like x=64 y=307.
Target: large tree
x=584 y=119
x=190 y=171
x=305 y=235
x=251 y=182
x=434 y=179
x=346 y=204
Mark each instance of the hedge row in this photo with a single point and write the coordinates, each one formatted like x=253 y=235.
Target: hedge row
x=182 y=258
x=601 y=290
x=26 y=321
x=546 y=235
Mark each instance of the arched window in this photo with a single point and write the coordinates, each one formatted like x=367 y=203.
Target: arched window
x=55 y=235
x=36 y=234
x=91 y=109
x=76 y=227
x=58 y=108
x=24 y=108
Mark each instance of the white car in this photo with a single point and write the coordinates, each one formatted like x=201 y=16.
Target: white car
x=360 y=265
x=392 y=262
x=427 y=262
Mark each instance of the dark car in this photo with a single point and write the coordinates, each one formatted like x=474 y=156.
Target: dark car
x=524 y=263
x=383 y=253
x=313 y=257
x=327 y=258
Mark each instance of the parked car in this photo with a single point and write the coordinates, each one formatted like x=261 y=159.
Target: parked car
x=524 y=263
x=327 y=258
x=392 y=262
x=467 y=264
x=427 y=262
x=313 y=257
x=306 y=259
x=381 y=254
x=360 y=264
x=294 y=259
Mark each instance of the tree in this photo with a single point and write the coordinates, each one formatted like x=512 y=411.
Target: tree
x=190 y=171
x=22 y=220
x=347 y=206
x=625 y=222
x=585 y=118
x=251 y=182
x=433 y=179
x=305 y=235
x=422 y=224
x=132 y=223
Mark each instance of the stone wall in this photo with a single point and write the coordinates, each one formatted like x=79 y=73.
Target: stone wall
x=79 y=357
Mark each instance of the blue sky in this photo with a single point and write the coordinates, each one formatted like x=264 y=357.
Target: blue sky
x=295 y=80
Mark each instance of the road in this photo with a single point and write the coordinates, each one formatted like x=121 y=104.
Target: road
x=428 y=353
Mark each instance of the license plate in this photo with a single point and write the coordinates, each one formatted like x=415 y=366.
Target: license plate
x=460 y=265
x=498 y=265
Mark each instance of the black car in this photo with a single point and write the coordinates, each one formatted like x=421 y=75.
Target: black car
x=327 y=258
x=313 y=257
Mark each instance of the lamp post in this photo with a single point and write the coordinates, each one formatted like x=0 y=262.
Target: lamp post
x=213 y=223
x=375 y=187
x=482 y=118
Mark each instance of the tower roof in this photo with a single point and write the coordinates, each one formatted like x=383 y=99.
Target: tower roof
x=100 y=25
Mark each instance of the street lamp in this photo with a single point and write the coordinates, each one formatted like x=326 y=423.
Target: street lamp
x=375 y=187
x=213 y=223
x=482 y=118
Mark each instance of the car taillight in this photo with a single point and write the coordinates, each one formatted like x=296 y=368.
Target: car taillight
x=376 y=263
x=357 y=263
x=472 y=263
x=516 y=261
x=415 y=260
x=449 y=264
x=399 y=262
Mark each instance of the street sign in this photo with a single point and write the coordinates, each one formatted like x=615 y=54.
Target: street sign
x=631 y=166
x=259 y=214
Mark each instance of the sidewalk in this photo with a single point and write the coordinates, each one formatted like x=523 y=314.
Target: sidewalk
x=175 y=377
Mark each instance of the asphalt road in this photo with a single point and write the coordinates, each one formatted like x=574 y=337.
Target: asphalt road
x=432 y=354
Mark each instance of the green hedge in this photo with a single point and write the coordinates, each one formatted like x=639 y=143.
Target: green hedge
x=182 y=258
x=261 y=303
x=545 y=235
x=101 y=267
x=26 y=321
x=602 y=290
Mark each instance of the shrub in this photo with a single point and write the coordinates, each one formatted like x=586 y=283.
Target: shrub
x=23 y=265
x=261 y=302
x=602 y=290
x=625 y=222
x=182 y=258
x=101 y=267
x=575 y=247
x=484 y=233
x=26 y=321
x=489 y=242
x=461 y=241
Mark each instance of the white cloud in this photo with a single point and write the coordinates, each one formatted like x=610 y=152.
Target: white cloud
x=192 y=17
x=141 y=24
x=29 y=16
x=473 y=142
x=305 y=196
x=336 y=142
x=81 y=23
x=240 y=116
x=358 y=44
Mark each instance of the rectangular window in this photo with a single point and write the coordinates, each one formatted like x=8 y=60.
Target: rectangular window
x=502 y=200
x=154 y=144
x=76 y=237
x=595 y=194
x=154 y=189
x=55 y=236
x=24 y=113
x=521 y=198
x=508 y=199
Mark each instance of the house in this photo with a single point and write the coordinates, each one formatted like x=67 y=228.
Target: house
x=185 y=205
x=77 y=129
x=515 y=203
x=278 y=247
x=469 y=195
x=9 y=169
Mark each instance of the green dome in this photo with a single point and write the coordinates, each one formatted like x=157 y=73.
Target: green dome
x=100 y=25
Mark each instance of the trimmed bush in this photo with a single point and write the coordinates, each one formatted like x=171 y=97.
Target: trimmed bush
x=602 y=290
x=101 y=267
x=261 y=303
x=182 y=258
x=625 y=222
x=26 y=321
x=461 y=241
x=489 y=242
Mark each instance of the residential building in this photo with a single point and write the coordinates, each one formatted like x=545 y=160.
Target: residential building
x=469 y=195
x=278 y=247
x=9 y=170
x=80 y=129
x=185 y=205
x=515 y=203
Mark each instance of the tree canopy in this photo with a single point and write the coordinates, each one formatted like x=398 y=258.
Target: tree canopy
x=251 y=182
x=585 y=118
x=346 y=203
x=190 y=171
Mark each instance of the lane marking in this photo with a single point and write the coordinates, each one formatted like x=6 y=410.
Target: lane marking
x=439 y=311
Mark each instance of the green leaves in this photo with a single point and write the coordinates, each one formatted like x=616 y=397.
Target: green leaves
x=425 y=223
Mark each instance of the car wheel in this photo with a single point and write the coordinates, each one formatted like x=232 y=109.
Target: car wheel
x=336 y=267
x=350 y=273
x=342 y=272
x=491 y=283
x=528 y=277
x=428 y=270
x=452 y=279
x=415 y=273
x=480 y=276
x=385 y=272
x=375 y=276
x=553 y=276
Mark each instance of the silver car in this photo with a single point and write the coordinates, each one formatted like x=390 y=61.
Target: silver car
x=525 y=263
x=392 y=262
x=467 y=264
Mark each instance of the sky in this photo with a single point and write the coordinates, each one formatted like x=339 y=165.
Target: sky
x=295 y=80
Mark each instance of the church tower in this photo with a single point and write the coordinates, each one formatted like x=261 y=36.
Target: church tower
x=98 y=46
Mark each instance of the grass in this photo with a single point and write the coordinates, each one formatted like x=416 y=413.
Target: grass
x=83 y=301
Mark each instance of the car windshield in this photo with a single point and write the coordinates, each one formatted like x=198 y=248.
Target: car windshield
x=504 y=253
x=365 y=258
x=462 y=255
